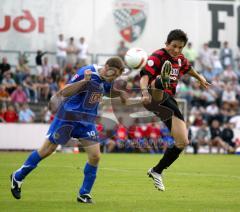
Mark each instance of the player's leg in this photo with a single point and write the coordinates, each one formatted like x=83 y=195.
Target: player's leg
x=179 y=133
x=90 y=170
x=58 y=133
x=29 y=165
x=178 y=129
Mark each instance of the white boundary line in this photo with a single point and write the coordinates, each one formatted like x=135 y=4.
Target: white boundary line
x=135 y=169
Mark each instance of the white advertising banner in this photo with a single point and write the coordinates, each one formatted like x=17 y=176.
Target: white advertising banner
x=28 y=25
x=22 y=136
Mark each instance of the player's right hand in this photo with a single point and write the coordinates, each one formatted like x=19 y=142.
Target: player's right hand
x=87 y=75
x=146 y=97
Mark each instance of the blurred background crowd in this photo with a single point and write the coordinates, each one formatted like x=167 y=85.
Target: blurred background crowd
x=213 y=114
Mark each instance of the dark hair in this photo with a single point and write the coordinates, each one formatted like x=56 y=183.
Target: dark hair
x=177 y=34
x=116 y=62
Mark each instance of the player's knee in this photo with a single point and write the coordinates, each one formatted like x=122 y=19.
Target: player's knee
x=45 y=152
x=181 y=144
x=94 y=158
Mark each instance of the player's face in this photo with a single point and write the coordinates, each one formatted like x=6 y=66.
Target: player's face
x=175 y=47
x=110 y=74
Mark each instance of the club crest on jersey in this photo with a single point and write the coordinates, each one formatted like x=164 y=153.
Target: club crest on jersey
x=95 y=98
x=130 y=17
x=150 y=63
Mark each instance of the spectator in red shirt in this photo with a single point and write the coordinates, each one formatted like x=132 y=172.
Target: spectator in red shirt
x=136 y=134
x=2 y=111
x=10 y=116
x=121 y=137
x=153 y=136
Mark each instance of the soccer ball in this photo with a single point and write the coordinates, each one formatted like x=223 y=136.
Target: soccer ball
x=136 y=58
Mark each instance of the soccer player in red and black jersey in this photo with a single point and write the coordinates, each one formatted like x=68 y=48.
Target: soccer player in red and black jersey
x=158 y=84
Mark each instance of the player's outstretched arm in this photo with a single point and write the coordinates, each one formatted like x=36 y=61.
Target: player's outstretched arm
x=74 y=88
x=203 y=82
x=69 y=90
x=146 y=98
x=115 y=92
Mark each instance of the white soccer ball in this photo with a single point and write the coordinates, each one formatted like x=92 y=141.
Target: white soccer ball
x=136 y=58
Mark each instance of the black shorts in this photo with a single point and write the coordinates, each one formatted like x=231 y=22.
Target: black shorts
x=165 y=109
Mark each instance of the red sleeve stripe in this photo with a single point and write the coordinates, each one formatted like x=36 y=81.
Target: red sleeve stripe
x=150 y=69
x=155 y=59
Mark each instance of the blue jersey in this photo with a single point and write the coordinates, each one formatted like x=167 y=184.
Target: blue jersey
x=85 y=103
x=76 y=116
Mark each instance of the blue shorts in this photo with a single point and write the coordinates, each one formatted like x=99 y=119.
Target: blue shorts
x=61 y=131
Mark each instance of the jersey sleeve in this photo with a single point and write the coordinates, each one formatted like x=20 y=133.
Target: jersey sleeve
x=152 y=67
x=77 y=77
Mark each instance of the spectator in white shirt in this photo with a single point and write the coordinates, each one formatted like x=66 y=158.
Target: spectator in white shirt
x=236 y=121
x=229 y=97
x=61 y=52
x=71 y=52
x=212 y=109
x=226 y=55
x=82 y=50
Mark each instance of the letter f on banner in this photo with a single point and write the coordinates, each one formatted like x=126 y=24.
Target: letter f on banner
x=216 y=25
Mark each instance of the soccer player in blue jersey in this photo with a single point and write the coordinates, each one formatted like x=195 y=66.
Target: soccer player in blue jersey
x=76 y=110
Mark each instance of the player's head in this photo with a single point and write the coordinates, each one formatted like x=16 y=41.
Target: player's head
x=113 y=68
x=176 y=40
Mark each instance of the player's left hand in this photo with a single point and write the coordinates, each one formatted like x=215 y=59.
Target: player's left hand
x=203 y=82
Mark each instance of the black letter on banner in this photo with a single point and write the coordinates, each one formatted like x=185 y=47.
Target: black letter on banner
x=216 y=25
x=238 y=27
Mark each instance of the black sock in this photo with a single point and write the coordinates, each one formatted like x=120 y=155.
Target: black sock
x=168 y=158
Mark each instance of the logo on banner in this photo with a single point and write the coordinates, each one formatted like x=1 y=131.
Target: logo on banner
x=130 y=17
x=24 y=23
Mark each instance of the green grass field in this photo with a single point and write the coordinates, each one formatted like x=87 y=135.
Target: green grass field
x=193 y=183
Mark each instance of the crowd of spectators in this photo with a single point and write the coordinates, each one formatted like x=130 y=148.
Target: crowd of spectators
x=208 y=110
x=20 y=85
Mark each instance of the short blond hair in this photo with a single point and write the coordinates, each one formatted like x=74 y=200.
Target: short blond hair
x=116 y=62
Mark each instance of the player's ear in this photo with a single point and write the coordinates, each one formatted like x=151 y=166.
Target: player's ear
x=106 y=66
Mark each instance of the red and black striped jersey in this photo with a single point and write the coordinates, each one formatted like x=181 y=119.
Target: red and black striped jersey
x=180 y=66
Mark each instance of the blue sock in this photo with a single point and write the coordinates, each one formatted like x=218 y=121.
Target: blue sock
x=30 y=164
x=90 y=173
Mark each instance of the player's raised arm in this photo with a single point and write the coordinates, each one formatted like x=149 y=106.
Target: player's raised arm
x=144 y=81
x=203 y=82
x=74 y=88
x=69 y=90
x=114 y=91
